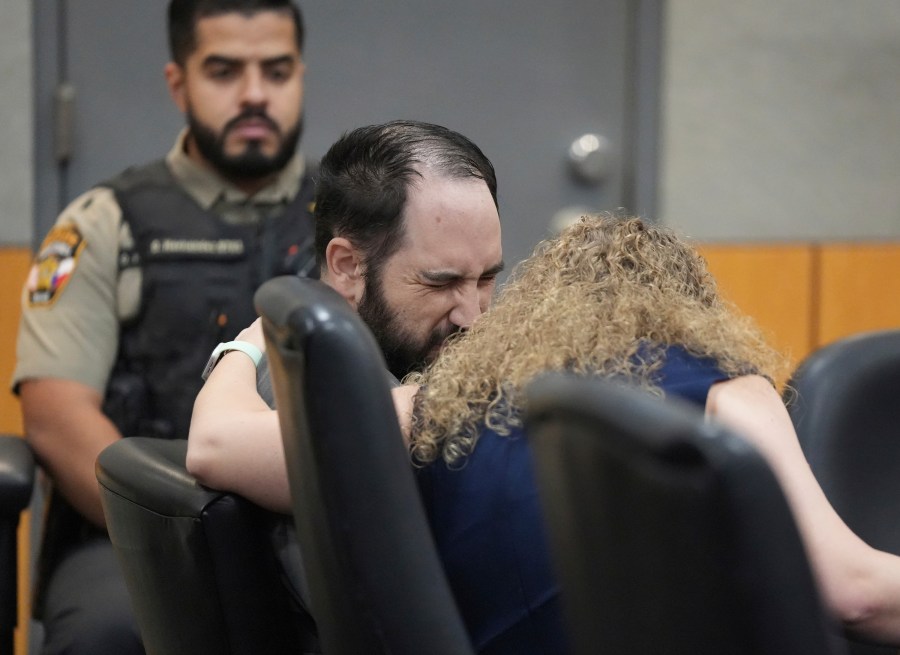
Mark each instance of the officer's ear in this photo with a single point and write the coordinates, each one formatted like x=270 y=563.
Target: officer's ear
x=344 y=270
x=175 y=82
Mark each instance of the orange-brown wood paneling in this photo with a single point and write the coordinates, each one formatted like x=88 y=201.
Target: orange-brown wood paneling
x=14 y=264
x=859 y=289
x=772 y=283
x=20 y=636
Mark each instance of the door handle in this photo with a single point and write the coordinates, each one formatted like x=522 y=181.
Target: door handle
x=590 y=159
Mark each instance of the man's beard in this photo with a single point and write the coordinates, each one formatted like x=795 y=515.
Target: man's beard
x=402 y=353
x=252 y=163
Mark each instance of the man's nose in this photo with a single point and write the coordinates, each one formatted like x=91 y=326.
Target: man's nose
x=469 y=306
x=253 y=91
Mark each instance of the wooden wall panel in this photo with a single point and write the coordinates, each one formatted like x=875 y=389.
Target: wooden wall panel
x=771 y=283
x=859 y=289
x=20 y=635
x=14 y=263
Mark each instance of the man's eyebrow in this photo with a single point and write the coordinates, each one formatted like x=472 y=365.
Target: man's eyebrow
x=451 y=276
x=280 y=59
x=441 y=276
x=213 y=60
x=218 y=60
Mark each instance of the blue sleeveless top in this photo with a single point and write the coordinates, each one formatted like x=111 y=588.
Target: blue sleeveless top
x=486 y=521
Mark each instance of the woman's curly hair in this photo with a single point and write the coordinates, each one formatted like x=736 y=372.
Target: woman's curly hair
x=590 y=301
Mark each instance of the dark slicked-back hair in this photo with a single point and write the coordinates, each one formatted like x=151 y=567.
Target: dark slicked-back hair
x=364 y=179
x=184 y=14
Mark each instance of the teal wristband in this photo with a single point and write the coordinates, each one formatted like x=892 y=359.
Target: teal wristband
x=245 y=347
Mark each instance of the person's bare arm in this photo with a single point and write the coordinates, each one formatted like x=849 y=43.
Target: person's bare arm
x=66 y=428
x=234 y=443
x=861 y=585
x=403 y=403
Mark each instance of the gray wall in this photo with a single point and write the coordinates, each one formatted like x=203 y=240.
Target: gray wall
x=16 y=119
x=781 y=119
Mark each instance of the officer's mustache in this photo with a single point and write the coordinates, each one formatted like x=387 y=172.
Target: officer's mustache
x=253 y=113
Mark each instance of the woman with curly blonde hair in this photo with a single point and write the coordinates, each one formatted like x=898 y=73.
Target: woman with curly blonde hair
x=601 y=298
x=615 y=297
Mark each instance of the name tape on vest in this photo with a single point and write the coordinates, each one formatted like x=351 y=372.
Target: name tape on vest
x=197 y=247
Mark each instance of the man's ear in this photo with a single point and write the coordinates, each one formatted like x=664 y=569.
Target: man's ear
x=174 y=75
x=344 y=270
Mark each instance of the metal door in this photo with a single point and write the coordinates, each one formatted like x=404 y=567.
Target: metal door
x=523 y=79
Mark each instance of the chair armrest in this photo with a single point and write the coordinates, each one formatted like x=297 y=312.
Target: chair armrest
x=16 y=483
x=198 y=563
x=16 y=474
x=150 y=472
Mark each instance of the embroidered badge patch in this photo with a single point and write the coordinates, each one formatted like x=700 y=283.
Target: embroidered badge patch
x=54 y=265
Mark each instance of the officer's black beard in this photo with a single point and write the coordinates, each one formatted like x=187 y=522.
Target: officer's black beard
x=252 y=164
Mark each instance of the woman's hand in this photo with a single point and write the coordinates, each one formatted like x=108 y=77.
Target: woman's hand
x=253 y=334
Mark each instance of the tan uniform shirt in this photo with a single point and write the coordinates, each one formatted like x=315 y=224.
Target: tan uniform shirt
x=75 y=298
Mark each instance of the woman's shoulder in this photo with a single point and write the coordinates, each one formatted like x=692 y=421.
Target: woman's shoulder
x=687 y=375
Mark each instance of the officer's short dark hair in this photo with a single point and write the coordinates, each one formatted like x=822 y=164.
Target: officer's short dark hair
x=364 y=178
x=184 y=14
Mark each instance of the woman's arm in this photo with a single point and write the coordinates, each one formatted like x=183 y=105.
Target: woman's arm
x=861 y=585
x=403 y=402
x=234 y=443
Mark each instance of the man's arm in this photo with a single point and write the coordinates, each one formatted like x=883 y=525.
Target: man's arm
x=68 y=337
x=861 y=585
x=67 y=430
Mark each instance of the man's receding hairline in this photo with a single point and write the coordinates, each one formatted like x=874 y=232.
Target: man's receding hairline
x=417 y=181
x=434 y=168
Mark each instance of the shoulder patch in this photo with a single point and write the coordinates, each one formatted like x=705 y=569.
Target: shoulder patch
x=54 y=265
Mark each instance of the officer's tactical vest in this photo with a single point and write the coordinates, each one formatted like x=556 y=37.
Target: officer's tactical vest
x=199 y=275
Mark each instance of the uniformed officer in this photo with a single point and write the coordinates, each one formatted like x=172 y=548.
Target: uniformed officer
x=142 y=275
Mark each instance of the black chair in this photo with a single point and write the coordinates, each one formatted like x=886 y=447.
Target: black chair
x=199 y=564
x=843 y=400
x=670 y=534
x=16 y=485
x=375 y=579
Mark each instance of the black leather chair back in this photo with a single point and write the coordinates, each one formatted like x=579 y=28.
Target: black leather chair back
x=846 y=408
x=671 y=535
x=199 y=565
x=844 y=400
x=375 y=579
x=16 y=485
